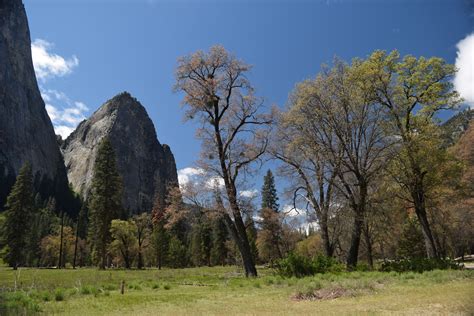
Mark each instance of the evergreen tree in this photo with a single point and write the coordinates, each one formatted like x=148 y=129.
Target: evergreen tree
x=201 y=242
x=411 y=244
x=177 y=253
x=269 y=193
x=195 y=248
x=42 y=223
x=19 y=212
x=219 y=239
x=105 y=200
x=269 y=241
x=206 y=241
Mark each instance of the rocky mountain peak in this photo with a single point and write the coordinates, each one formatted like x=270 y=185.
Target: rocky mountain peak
x=147 y=168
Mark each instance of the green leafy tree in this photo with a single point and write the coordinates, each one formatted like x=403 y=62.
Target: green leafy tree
x=105 y=201
x=18 y=214
x=124 y=241
x=412 y=90
x=143 y=224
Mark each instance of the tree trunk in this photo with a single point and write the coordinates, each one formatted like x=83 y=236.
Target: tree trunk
x=352 y=256
x=328 y=247
x=420 y=210
x=368 y=243
x=359 y=212
x=103 y=261
x=158 y=260
x=75 y=246
x=60 y=263
x=244 y=248
x=140 y=258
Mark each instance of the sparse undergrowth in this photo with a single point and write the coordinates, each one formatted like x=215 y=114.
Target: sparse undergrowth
x=188 y=290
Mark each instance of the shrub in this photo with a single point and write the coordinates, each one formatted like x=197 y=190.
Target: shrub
x=167 y=286
x=299 y=266
x=59 y=294
x=362 y=267
x=295 y=265
x=419 y=265
x=18 y=303
x=323 y=264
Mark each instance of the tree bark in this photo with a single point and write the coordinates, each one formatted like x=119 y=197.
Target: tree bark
x=368 y=243
x=352 y=256
x=60 y=263
x=328 y=247
x=359 y=212
x=418 y=196
x=75 y=246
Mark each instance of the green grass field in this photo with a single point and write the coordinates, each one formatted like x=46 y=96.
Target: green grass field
x=223 y=290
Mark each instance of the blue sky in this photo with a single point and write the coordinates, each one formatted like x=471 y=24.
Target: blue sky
x=110 y=46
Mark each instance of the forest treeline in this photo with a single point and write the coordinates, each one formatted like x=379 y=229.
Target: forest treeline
x=359 y=148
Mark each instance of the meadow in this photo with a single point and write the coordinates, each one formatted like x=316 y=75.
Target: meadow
x=224 y=290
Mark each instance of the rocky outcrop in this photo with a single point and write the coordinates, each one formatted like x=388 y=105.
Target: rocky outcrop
x=455 y=127
x=26 y=132
x=147 y=167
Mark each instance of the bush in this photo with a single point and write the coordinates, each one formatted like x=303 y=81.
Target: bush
x=299 y=266
x=18 y=303
x=323 y=264
x=362 y=267
x=59 y=294
x=419 y=265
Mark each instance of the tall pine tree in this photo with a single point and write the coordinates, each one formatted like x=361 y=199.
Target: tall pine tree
x=219 y=236
x=105 y=201
x=269 y=193
x=269 y=240
x=19 y=212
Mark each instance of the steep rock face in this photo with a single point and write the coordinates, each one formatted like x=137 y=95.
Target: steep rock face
x=147 y=168
x=26 y=132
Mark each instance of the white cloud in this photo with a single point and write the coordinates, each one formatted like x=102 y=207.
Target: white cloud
x=464 y=80
x=63 y=112
x=213 y=181
x=291 y=211
x=188 y=174
x=63 y=130
x=48 y=64
x=249 y=193
x=198 y=176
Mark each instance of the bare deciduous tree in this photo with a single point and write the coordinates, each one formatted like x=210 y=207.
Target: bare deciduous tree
x=233 y=129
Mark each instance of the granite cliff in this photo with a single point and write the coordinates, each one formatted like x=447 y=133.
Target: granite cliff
x=26 y=132
x=147 y=168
